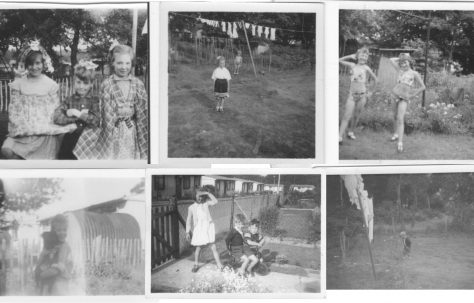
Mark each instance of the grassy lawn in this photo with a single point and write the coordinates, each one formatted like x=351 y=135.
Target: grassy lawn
x=269 y=117
x=435 y=262
x=371 y=145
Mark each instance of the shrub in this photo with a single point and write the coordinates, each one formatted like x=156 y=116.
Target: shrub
x=269 y=218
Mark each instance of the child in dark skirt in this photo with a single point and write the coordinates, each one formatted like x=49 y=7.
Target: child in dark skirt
x=221 y=77
x=81 y=108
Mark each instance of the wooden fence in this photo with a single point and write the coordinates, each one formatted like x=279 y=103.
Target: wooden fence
x=18 y=261
x=168 y=222
x=65 y=88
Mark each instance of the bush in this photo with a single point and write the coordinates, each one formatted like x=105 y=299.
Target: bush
x=269 y=218
x=448 y=109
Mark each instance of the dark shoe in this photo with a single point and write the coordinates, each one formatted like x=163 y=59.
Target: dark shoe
x=195 y=268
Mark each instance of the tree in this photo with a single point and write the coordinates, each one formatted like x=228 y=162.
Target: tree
x=30 y=194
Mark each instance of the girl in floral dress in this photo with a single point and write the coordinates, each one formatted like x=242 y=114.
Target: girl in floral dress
x=123 y=132
x=32 y=133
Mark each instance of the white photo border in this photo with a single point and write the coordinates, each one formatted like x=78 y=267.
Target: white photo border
x=77 y=174
x=166 y=7
x=332 y=74
x=206 y=171
x=60 y=164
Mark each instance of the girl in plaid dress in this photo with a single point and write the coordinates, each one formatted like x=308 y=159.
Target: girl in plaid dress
x=123 y=132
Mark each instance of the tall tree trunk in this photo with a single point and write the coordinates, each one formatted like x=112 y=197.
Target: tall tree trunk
x=74 y=46
x=416 y=199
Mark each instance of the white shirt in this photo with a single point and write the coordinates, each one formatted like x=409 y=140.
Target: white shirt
x=221 y=73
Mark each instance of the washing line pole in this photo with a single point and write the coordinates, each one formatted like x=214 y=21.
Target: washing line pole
x=366 y=223
x=250 y=50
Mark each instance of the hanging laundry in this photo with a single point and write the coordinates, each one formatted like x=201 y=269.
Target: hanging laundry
x=272 y=34
x=259 y=31
x=234 y=33
x=360 y=197
x=267 y=32
x=253 y=29
x=223 y=27
x=247 y=25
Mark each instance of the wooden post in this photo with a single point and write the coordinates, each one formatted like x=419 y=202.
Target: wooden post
x=250 y=50
x=270 y=64
x=369 y=245
x=232 y=212
x=134 y=34
x=426 y=57
x=175 y=229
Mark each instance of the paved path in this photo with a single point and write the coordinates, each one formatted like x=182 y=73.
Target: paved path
x=178 y=275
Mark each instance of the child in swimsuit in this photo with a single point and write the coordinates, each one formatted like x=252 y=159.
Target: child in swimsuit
x=357 y=91
x=404 y=91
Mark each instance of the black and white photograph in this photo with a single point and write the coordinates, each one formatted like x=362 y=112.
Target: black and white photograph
x=406 y=84
x=241 y=84
x=400 y=231
x=72 y=236
x=244 y=234
x=73 y=82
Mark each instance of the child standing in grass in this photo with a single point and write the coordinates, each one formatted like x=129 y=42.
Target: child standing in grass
x=221 y=77
x=81 y=108
x=357 y=92
x=404 y=91
x=237 y=62
x=200 y=229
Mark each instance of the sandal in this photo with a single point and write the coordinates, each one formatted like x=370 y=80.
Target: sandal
x=195 y=268
x=394 y=137
x=400 y=147
x=351 y=135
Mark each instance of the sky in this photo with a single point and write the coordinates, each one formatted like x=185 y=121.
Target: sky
x=82 y=192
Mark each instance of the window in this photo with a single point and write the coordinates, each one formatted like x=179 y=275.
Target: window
x=159 y=182
x=186 y=182
x=197 y=181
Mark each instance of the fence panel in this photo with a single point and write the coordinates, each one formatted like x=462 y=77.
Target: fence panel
x=65 y=88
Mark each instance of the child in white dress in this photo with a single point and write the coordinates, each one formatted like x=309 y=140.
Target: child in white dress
x=200 y=229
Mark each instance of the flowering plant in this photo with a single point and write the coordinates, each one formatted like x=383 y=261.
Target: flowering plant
x=226 y=282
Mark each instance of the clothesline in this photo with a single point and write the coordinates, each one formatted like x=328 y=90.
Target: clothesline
x=247 y=25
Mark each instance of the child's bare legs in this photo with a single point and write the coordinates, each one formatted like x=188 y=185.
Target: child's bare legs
x=253 y=261
x=349 y=110
x=197 y=252
x=222 y=104
x=400 y=122
x=216 y=255
x=359 y=106
x=245 y=263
